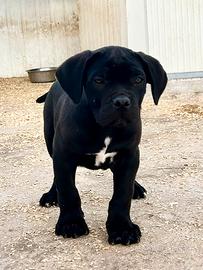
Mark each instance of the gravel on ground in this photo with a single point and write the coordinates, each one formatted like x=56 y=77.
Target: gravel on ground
x=171 y=217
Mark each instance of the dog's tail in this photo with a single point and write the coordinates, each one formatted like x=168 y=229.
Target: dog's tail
x=42 y=98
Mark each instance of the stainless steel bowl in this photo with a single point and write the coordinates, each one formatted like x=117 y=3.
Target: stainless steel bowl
x=40 y=75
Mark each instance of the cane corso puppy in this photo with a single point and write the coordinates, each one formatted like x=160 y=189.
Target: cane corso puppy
x=92 y=119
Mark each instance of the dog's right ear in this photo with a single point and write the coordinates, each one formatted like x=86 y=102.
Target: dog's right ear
x=70 y=74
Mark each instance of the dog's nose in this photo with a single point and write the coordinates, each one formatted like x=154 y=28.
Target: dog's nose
x=121 y=102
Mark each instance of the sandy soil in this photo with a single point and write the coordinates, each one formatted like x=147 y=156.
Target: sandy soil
x=171 y=217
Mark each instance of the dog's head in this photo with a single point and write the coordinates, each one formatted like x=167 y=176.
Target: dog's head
x=114 y=81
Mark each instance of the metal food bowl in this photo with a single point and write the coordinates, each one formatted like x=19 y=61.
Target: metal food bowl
x=42 y=75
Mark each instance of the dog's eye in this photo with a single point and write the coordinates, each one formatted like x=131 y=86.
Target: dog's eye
x=99 y=80
x=138 y=80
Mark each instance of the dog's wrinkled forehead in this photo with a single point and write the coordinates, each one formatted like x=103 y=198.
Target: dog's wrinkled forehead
x=115 y=63
x=115 y=52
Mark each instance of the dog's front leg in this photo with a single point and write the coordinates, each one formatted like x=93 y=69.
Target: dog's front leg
x=71 y=221
x=119 y=226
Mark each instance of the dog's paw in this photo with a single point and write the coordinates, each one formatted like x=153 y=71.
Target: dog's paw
x=71 y=227
x=139 y=191
x=125 y=235
x=48 y=199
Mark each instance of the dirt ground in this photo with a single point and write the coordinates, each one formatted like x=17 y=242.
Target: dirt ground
x=171 y=217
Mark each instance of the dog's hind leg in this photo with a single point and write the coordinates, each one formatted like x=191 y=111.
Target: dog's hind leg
x=49 y=127
x=50 y=198
x=139 y=191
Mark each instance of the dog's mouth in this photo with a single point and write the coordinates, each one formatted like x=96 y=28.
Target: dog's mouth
x=116 y=119
x=120 y=123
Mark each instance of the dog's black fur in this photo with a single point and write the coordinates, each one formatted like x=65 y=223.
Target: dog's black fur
x=95 y=104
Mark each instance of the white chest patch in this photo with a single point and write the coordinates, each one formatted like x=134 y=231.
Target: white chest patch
x=102 y=155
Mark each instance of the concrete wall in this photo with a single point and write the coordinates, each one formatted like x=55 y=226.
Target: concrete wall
x=102 y=23
x=36 y=33
x=170 y=30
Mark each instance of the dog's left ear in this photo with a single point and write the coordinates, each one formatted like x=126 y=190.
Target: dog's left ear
x=155 y=74
x=70 y=75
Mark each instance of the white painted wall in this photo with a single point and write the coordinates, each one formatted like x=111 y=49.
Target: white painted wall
x=170 y=30
x=36 y=33
x=137 y=25
x=102 y=23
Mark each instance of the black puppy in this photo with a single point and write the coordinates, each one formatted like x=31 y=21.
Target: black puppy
x=92 y=119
